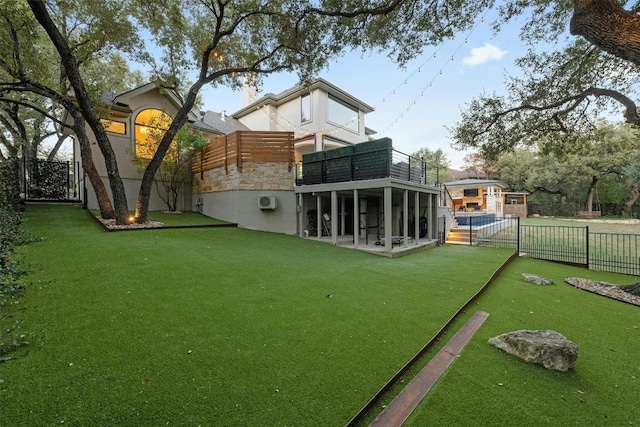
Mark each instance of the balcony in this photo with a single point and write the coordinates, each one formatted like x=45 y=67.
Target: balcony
x=364 y=161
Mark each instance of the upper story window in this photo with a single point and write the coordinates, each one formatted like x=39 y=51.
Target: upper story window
x=150 y=127
x=114 y=126
x=305 y=108
x=343 y=115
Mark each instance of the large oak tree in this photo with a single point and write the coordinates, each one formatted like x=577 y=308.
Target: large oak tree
x=218 y=41
x=564 y=90
x=221 y=41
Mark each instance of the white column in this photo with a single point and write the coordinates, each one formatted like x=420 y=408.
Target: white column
x=318 y=215
x=356 y=219
x=416 y=218
x=343 y=214
x=334 y=217
x=388 y=223
x=405 y=218
x=430 y=225
x=300 y=216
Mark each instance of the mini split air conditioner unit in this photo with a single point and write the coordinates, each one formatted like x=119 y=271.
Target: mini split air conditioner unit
x=267 y=202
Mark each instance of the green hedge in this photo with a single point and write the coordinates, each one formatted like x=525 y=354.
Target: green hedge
x=10 y=185
x=11 y=234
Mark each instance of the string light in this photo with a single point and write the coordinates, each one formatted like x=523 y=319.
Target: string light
x=439 y=73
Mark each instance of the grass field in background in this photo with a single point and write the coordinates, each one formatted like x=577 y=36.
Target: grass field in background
x=596 y=225
x=229 y=327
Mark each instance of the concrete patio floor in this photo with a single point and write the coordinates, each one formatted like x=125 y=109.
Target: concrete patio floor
x=371 y=247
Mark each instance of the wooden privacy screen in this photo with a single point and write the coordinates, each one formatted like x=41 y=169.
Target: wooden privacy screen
x=245 y=146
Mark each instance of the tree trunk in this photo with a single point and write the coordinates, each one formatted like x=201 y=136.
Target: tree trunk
x=607 y=25
x=634 y=193
x=142 y=204
x=592 y=190
x=72 y=71
x=104 y=202
x=54 y=151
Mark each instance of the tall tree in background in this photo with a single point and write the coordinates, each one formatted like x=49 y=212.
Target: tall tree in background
x=437 y=164
x=564 y=91
x=608 y=152
x=481 y=166
x=632 y=176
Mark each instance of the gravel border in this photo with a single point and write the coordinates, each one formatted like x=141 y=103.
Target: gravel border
x=110 y=224
x=603 y=288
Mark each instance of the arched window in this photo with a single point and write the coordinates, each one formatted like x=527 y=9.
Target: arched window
x=150 y=127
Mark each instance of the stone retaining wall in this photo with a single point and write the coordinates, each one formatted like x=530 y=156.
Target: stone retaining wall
x=254 y=176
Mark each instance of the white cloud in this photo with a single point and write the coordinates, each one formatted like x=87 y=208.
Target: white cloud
x=486 y=53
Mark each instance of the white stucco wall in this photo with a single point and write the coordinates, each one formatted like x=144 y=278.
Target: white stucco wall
x=132 y=188
x=241 y=207
x=123 y=147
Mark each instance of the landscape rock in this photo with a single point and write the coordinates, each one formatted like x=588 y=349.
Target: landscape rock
x=633 y=289
x=620 y=293
x=538 y=280
x=545 y=347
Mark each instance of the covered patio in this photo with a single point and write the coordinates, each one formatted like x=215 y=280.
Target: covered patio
x=387 y=216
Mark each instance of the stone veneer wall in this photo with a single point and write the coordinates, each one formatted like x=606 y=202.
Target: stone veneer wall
x=253 y=176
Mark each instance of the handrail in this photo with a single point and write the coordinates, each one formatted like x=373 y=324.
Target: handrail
x=446 y=190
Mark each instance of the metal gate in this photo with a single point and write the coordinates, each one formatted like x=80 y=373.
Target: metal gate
x=45 y=180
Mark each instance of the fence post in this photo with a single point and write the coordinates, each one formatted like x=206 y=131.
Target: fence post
x=68 y=180
x=443 y=238
x=470 y=230
x=518 y=236
x=587 y=245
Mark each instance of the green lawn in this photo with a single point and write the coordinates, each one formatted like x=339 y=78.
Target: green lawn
x=486 y=386
x=231 y=327
x=218 y=326
x=596 y=225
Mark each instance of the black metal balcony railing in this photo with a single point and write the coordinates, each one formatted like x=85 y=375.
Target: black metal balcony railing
x=369 y=160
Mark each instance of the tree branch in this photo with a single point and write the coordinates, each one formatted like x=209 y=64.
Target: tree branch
x=607 y=25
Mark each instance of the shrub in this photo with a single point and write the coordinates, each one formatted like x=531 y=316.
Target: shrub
x=10 y=185
x=10 y=235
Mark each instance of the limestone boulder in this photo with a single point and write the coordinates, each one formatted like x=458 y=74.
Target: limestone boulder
x=538 y=280
x=545 y=347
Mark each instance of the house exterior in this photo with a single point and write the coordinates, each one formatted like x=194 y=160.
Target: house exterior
x=321 y=115
x=470 y=196
x=312 y=118
x=253 y=171
x=133 y=118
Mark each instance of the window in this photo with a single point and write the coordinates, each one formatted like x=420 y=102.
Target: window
x=343 y=115
x=305 y=108
x=471 y=192
x=114 y=127
x=150 y=126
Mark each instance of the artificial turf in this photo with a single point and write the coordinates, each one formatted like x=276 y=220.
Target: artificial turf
x=217 y=326
x=486 y=386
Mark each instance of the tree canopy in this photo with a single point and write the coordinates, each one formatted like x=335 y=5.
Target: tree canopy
x=566 y=87
x=221 y=42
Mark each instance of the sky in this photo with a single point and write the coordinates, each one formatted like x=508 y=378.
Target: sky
x=415 y=105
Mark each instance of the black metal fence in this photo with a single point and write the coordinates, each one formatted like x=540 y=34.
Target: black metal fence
x=574 y=245
x=46 y=180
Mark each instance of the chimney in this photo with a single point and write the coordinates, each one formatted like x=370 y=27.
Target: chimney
x=249 y=90
x=223 y=115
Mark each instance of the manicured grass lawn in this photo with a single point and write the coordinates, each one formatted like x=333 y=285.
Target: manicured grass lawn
x=218 y=326
x=486 y=386
x=596 y=225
